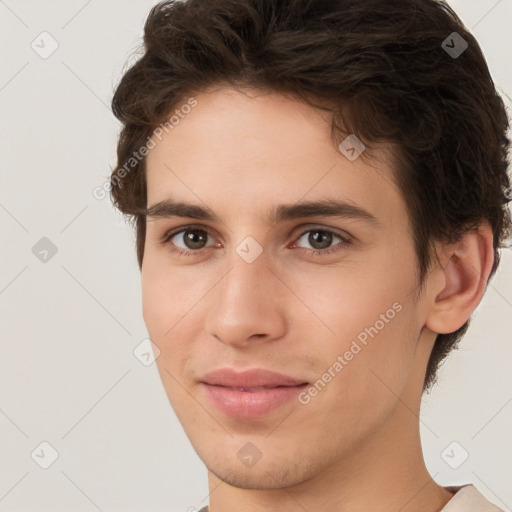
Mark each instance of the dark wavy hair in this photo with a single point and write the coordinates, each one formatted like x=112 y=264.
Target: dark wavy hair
x=381 y=64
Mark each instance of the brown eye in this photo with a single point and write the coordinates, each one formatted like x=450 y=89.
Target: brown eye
x=321 y=240
x=194 y=238
x=187 y=240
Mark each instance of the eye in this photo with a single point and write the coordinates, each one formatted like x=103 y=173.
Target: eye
x=321 y=241
x=187 y=240
x=191 y=240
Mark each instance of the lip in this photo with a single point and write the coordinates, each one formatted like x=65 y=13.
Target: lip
x=251 y=393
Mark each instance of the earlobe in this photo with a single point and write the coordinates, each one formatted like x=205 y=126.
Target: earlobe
x=465 y=271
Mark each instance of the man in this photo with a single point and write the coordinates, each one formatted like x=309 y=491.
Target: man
x=319 y=189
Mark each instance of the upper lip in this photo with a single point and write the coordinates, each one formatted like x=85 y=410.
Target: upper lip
x=253 y=378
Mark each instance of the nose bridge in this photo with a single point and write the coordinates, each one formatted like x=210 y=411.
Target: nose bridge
x=245 y=301
x=246 y=282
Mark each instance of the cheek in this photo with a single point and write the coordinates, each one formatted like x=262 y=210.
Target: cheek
x=166 y=293
x=169 y=300
x=373 y=323
x=164 y=307
x=360 y=391
x=379 y=373
x=356 y=295
x=154 y=298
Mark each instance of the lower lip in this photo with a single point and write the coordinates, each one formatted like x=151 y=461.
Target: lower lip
x=250 y=404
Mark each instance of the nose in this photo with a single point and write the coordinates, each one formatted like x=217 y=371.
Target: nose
x=249 y=304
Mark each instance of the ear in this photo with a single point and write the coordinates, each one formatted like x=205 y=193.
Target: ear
x=460 y=280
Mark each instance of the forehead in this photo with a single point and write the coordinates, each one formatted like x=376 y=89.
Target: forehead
x=241 y=148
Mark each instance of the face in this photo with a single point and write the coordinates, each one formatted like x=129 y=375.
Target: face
x=281 y=328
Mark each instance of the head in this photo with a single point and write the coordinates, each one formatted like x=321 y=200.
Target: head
x=237 y=107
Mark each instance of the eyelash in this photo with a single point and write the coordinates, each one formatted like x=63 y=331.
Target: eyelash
x=313 y=252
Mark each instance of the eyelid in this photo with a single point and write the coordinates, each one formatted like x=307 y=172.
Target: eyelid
x=345 y=237
x=176 y=231
x=345 y=240
x=304 y=228
x=320 y=227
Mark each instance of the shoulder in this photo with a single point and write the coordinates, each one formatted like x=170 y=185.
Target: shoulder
x=468 y=498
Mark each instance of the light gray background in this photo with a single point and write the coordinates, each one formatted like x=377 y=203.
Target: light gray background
x=68 y=375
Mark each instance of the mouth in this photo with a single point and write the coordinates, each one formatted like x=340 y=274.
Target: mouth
x=249 y=394
x=252 y=390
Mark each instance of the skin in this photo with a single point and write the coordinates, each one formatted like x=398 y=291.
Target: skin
x=356 y=444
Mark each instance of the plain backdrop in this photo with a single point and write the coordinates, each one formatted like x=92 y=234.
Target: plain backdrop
x=71 y=386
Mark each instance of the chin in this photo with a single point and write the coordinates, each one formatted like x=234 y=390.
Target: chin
x=277 y=473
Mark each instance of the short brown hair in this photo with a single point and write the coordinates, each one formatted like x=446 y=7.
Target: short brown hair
x=383 y=64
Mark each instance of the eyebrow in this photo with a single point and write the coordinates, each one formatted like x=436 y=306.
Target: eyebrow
x=279 y=213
